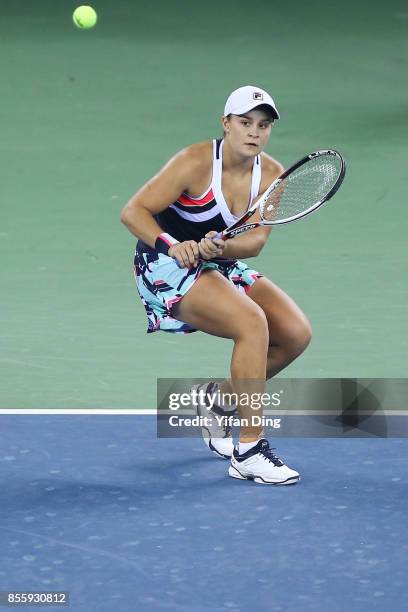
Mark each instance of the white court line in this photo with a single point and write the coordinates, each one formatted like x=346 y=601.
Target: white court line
x=94 y=411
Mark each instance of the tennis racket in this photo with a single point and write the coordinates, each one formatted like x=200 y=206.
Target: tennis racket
x=297 y=192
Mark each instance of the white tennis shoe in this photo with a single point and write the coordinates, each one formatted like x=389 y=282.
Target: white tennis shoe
x=261 y=465
x=216 y=432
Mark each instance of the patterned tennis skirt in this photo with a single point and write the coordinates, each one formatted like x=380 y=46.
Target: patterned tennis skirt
x=161 y=284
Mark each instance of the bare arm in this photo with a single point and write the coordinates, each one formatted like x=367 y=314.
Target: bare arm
x=157 y=195
x=247 y=245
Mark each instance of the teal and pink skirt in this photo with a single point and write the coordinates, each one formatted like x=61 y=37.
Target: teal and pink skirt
x=161 y=284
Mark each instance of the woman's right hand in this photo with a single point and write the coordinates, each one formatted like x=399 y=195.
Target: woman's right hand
x=210 y=246
x=185 y=253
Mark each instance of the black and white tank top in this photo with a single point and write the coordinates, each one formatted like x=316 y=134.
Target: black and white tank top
x=191 y=218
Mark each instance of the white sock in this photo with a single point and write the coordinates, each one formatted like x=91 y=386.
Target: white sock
x=243 y=447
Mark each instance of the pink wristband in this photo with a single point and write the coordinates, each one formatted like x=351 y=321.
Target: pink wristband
x=164 y=242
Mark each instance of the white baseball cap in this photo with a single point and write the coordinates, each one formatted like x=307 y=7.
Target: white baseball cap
x=247 y=98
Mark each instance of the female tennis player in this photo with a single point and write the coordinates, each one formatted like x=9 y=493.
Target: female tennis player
x=189 y=280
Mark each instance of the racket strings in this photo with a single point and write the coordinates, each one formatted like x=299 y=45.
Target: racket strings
x=303 y=189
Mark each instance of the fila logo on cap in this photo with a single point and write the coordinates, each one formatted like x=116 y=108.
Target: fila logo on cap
x=247 y=98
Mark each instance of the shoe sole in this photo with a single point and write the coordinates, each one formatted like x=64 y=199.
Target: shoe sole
x=234 y=473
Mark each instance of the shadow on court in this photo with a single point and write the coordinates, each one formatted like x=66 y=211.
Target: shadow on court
x=99 y=507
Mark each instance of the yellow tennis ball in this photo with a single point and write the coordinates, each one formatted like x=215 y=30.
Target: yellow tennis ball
x=84 y=17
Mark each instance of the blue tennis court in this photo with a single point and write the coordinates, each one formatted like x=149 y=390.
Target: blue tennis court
x=97 y=506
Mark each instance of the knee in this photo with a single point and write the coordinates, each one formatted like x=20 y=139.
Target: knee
x=254 y=326
x=297 y=337
x=300 y=336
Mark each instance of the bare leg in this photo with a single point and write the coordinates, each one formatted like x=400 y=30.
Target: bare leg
x=214 y=306
x=289 y=330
